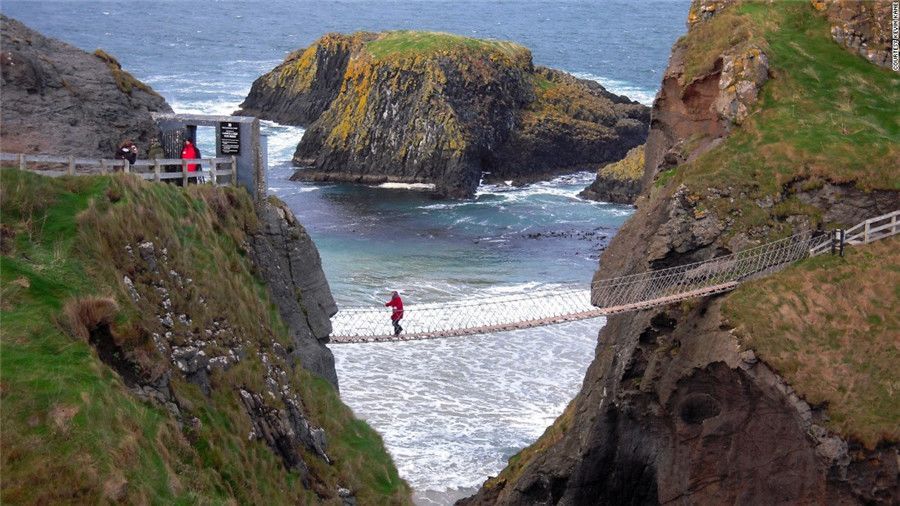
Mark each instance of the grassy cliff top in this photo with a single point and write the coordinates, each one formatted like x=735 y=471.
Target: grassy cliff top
x=73 y=432
x=405 y=43
x=824 y=115
x=829 y=325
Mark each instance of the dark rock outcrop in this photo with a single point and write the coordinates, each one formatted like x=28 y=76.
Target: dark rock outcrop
x=618 y=182
x=288 y=260
x=445 y=112
x=60 y=100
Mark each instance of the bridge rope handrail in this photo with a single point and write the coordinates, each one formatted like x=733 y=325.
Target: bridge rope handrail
x=631 y=292
x=477 y=301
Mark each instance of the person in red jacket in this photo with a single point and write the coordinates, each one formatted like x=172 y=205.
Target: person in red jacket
x=397 y=303
x=190 y=152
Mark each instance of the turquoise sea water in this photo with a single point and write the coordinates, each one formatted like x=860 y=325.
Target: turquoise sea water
x=451 y=411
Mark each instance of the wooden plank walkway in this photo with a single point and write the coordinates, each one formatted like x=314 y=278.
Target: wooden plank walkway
x=584 y=315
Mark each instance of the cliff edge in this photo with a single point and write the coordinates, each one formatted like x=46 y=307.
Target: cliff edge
x=165 y=345
x=763 y=127
x=435 y=108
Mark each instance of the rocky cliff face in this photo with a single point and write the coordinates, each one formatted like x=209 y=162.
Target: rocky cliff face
x=287 y=259
x=676 y=408
x=701 y=98
x=59 y=100
x=863 y=28
x=440 y=109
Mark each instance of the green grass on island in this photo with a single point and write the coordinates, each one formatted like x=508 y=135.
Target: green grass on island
x=72 y=431
x=829 y=325
x=403 y=43
x=825 y=114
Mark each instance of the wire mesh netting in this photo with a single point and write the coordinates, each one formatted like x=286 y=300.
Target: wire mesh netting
x=606 y=296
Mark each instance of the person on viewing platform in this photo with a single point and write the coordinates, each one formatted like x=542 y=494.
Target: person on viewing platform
x=190 y=152
x=397 y=303
x=127 y=151
x=156 y=150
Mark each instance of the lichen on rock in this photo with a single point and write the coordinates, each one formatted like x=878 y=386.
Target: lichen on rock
x=423 y=107
x=618 y=182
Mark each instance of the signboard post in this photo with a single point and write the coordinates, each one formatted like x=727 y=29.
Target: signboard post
x=230 y=137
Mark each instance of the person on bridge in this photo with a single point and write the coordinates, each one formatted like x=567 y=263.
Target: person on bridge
x=397 y=303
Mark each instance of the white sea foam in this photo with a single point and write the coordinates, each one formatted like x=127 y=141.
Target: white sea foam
x=282 y=140
x=212 y=107
x=408 y=186
x=642 y=95
x=453 y=410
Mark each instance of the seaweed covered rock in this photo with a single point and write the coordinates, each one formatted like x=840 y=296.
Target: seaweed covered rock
x=60 y=100
x=434 y=108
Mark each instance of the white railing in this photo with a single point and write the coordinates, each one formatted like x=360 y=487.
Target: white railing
x=157 y=169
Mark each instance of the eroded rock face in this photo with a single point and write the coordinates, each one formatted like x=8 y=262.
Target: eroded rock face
x=691 y=114
x=863 y=28
x=289 y=261
x=60 y=100
x=440 y=116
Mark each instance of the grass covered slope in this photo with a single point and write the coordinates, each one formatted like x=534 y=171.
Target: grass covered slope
x=78 y=342
x=825 y=115
x=829 y=325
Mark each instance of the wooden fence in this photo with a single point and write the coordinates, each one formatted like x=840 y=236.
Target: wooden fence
x=873 y=229
x=158 y=169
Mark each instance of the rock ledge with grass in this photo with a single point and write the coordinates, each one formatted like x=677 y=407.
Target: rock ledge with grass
x=618 y=182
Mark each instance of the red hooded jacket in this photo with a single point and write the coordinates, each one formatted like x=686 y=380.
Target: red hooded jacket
x=397 y=304
x=189 y=153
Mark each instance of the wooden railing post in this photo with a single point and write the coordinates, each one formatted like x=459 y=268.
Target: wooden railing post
x=866 y=233
x=21 y=161
x=102 y=166
x=71 y=168
x=184 y=172
x=156 y=170
x=127 y=167
x=233 y=170
x=212 y=171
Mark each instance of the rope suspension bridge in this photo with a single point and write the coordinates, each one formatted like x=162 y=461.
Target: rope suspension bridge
x=606 y=296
